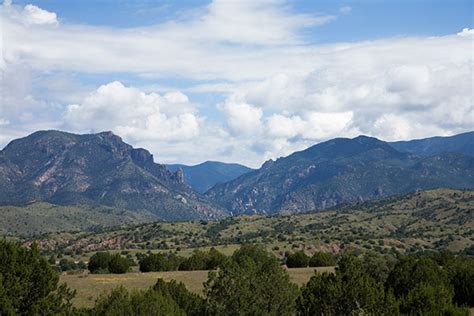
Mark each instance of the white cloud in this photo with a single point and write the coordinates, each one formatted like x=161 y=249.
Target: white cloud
x=207 y=45
x=345 y=9
x=242 y=118
x=466 y=32
x=135 y=115
x=280 y=126
x=312 y=127
x=33 y=15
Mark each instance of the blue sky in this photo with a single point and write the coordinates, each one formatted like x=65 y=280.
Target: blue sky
x=368 y=19
x=237 y=81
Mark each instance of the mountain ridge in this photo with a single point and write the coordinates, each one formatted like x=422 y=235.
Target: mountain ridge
x=460 y=143
x=100 y=169
x=95 y=169
x=338 y=171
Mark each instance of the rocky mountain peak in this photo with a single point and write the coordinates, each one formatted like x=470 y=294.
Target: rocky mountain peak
x=64 y=168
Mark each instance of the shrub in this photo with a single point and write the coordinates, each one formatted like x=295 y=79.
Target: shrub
x=122 y=302
x=350 y=291
x=461 y=277
x=191 y=303
x=29 y=285
x=422 y=287
x=297 y=260
x=322 y=259
x=215 y=259
x=197 y=261
x=99 y=262
x=104 y=262
x=251 y=282
x=159 y=262
x=118 y=264
x=201 y=260
x=66 y=265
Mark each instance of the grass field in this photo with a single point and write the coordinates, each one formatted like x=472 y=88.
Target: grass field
x=91 y=286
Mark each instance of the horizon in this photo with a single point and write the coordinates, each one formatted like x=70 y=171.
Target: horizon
x=236 y=81
x=232 y=162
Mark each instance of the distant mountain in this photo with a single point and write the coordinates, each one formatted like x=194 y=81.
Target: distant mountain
x=341 y=171
x=95 y=169
x=461 y=143
x=204 y=176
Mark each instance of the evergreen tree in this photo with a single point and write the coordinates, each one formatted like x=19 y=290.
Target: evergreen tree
x=251 y=282
x=297 y=260
x=29 y=285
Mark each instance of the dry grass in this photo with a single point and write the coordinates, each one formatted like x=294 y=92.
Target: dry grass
x=90 y=287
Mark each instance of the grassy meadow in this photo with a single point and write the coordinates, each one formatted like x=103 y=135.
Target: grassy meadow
x=90 y=286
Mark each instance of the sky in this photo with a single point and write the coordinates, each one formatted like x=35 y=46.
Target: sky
x=236 y=80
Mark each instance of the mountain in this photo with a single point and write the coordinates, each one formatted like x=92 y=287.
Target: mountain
x=95 y=169
x=461 y=143
x=340 y=171
x=204 y=176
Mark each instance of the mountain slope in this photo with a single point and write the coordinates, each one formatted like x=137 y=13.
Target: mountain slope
x=340 y=171
x=425 y=220
x=96 y=169
x=40 y=218
x=461 y=143
x=204 y=176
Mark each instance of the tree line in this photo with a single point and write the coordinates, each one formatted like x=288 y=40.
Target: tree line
x=104 y=262
x=253 y=282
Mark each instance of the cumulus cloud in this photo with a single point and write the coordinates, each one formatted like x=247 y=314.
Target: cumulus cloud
x=134 y=114
x=29 y=15
x=466 y=32
x=242 y=118
x=35 y=15
x=384 y=83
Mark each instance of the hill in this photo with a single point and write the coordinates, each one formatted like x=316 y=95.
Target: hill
x=426 y=220
x=204 y=176
x=462 y=143
x=40 y=218
x=95 y=169
x=340 y=171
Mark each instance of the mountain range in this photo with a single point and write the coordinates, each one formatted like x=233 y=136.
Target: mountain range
x=95 y=170
x=345 y=170
x=204 y=176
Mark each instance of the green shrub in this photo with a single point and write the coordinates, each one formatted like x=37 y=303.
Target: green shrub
x=350 y=291
x=322 y=259
x=118 y=264
x=297 y=260
x=197 y=261
x=251 y=282
x=191 y=303
x=461 y=277
x=29 y=285
x=139 y=303
x=201 y=260
x=99 y=262
x=159 y=262
x=104 y=262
